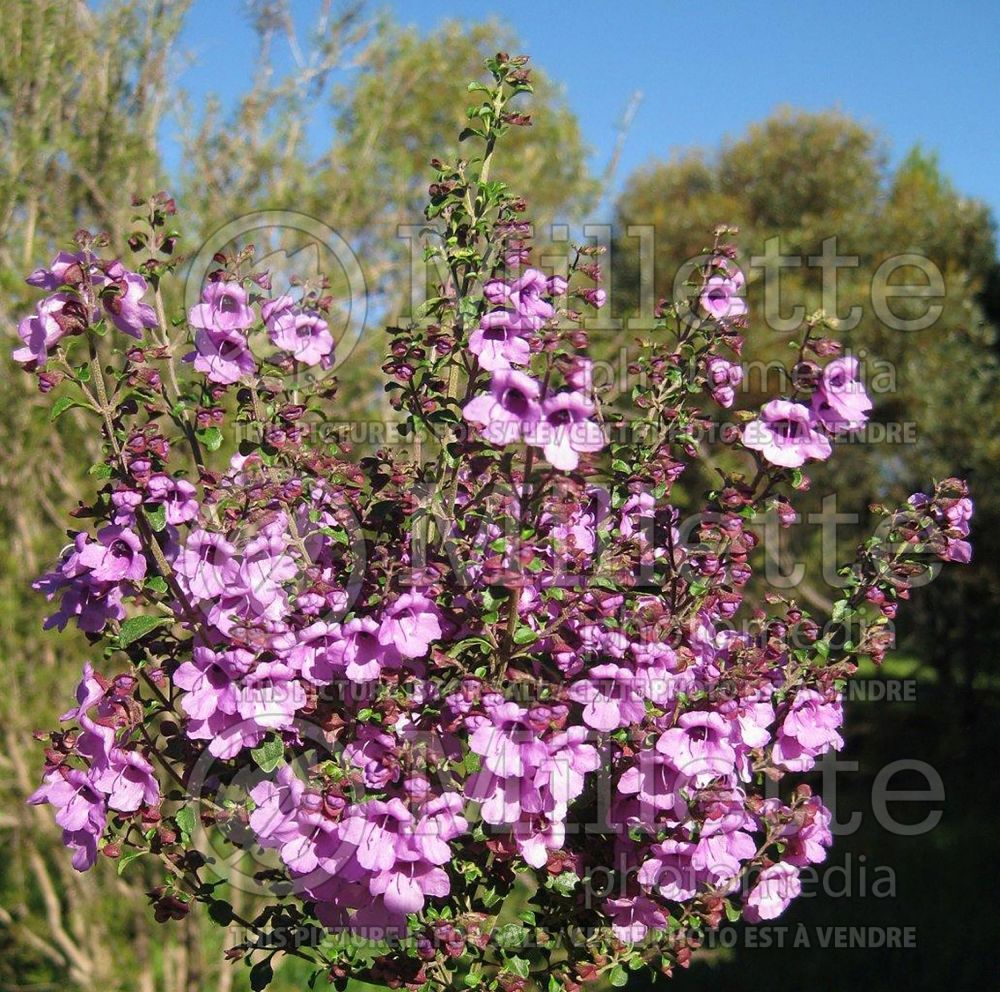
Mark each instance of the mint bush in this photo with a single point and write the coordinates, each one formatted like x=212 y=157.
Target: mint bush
x=498 y=715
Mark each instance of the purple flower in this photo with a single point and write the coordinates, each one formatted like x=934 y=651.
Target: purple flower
x=222 y=356
x=315 y=652
x=89 y=692
x=840 y=402
x=614 y=696
x=632 y=918
x=273 y=310
x=264 y=567
x=723 y=378
x=509 y=410
x=670 y=871
x=566 y=430
x=504 y=740
x=121 y=293
x=785 y=434
x=410 y=624
x=85 y=598
x=210 y=684
x=496 y=291
x=223 y=308
x=54 y=318
x=234 y=704
x=524 y=779
x=67 y=268
x=776 y=887
x=959 y=515
x=306 y=335
x=699 y=746
x=177 y=496
x=361 y=653
x=375 y=753
x=720 y=297
x=806 y=844
x=81 y=812
x=124 y=776
x=205 y=565
x=90 y=604
x=751 y=721
x=273 y=820
x=808 y=730
x=526 y=296
x=657 y=785
x=115 y=556
x=396 y=854
x=125 y=503
x=567 y=764
x=440 y=821
x=270 y=696
x=536 y=836
x=725 y=840
x=595 y=297
x=405 y=887
x=580 y=375
x=497 y=341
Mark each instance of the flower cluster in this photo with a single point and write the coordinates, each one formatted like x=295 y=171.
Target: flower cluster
x=87 y=287
x=225 y=316
x=116 y=776
x=424 y=681
x=514 y=410
x=790 y=433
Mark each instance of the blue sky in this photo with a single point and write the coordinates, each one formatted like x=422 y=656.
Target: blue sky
x=919 y=71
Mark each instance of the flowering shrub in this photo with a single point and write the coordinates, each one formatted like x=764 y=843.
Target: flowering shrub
x=485 y=707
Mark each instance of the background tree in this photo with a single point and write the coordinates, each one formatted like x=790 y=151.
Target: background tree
x=792 y=182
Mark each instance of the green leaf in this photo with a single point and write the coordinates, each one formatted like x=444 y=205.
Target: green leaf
x=469 y=642
x=61 y=405
x=618 y=977
x=268 y=755
x=525 y=635
x=187 y=822
x=157 y=518
x=565 y=882
x=511 y=935
x=490 y=897
x=519 y=966
x=157 y=584
x=211 y=437
x=127 y=858
x=136 y=627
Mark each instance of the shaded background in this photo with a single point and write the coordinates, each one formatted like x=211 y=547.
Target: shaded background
x=868 y=122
